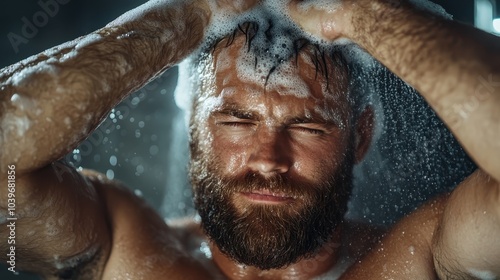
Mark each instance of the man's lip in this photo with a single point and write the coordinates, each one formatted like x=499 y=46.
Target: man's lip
x=266 y=196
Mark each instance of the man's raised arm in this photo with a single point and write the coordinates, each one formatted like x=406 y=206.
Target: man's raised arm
x=57 y=219
x=456 y=68
x=51 y=101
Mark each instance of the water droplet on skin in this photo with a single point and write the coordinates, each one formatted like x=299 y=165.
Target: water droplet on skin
x=411 y=250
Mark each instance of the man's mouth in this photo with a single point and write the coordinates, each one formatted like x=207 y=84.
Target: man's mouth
x=267 y=197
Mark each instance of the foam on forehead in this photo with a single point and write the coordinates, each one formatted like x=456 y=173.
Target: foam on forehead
x=271 y=39
x=282 y=78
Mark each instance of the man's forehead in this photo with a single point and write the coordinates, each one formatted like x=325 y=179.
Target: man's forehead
x=236 y=66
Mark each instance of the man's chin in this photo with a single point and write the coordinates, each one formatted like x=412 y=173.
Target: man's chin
x=269 y=223
x=265 y=236
x=265 y=257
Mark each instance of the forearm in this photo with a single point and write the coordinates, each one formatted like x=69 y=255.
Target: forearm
x=467 y=243
x=50 y=102
x=456 y=69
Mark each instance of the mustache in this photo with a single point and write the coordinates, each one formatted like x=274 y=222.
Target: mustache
x=278 y=183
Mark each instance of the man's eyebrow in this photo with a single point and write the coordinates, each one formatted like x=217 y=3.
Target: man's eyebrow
x=236 y=111
x=310 y=119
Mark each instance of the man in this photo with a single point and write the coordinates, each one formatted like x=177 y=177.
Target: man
x=271 y=153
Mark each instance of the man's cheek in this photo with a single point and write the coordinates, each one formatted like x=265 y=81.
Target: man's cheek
x=233 y=162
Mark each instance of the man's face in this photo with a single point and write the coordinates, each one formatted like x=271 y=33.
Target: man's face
x=272 y=157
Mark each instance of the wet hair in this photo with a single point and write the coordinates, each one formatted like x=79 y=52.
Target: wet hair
x=333 y=63
x=319 y=56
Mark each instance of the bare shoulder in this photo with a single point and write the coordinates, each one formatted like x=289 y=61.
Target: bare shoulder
x=60 y=231
x=404 y=252
x=78 y=224
x=143 y=245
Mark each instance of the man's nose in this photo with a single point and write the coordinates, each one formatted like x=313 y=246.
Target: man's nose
x=271 y=153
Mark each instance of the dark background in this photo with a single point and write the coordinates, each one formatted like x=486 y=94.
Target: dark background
x=138 y=147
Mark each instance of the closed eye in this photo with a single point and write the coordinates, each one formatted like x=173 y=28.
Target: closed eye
x=236 y=127
x=314 y=130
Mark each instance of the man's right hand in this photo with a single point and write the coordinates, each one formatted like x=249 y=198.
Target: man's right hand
x=329 y=22
x=235 y=6
x=454 y=67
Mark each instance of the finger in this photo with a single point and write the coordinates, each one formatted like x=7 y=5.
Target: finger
x=319 y=18
x=237 y=6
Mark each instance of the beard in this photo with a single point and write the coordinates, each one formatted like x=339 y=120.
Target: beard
x=269 y=236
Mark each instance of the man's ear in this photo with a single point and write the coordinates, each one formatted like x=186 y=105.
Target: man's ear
x=363 y=133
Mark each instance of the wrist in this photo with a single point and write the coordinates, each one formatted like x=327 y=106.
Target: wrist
x=366 y=16
x=380 y=26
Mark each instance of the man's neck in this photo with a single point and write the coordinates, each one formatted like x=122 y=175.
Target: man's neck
x=318 y=264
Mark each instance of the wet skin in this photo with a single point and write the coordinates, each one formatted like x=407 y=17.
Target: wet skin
x=107 y=232
x=271 y=131
x=253 y=129
x=133 y=242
